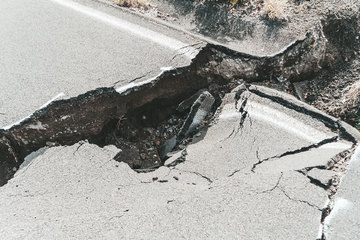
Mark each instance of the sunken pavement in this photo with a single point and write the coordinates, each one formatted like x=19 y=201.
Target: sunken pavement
x=200 y=152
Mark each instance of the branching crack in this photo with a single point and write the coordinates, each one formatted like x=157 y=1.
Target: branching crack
x=179 y=54
x=242 y=111
x=276 y=185
x=197 y=173
x=300 y=150
x=298 y=200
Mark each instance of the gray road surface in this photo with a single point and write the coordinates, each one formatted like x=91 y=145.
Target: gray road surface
x=63 y=48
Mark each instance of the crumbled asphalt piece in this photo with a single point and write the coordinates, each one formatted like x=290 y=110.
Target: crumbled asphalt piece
x=188 y=103
x=199 y=110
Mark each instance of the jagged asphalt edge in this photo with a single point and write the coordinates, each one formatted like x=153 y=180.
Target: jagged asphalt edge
x=205 y=52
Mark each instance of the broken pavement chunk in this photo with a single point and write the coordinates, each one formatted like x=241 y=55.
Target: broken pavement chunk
x=187 y=103
x=202 y=102
x=199 y=110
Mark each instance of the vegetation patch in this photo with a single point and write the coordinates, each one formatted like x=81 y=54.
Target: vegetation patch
x=133 y=3
x=274 y=9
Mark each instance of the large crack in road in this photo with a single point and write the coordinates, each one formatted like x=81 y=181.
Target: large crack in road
x=215 y=68
x=150 y=121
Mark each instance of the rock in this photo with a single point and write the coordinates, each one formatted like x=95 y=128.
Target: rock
x=143 y=156
x=187 y=103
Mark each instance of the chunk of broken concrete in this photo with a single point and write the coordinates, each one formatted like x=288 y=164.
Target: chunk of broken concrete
x=198 y=112
x=187 y=103
x=202 y=102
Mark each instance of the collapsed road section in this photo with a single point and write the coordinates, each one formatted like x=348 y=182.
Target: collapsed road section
x=298 y=152
x=148 y=114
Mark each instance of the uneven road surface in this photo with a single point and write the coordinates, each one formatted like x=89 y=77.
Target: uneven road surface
x=60 y=49
x=249 y=162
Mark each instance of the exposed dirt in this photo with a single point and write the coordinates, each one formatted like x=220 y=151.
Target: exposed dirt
x=142 y=134
x=247 y=26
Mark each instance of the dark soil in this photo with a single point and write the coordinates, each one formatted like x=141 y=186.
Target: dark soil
x=245 y=27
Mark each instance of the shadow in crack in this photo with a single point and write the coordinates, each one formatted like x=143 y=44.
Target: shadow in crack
x=146 y=135
x=145 y=119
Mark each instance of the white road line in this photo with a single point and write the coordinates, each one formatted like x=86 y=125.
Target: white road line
x=123 y=89
x=43 y=106
x=137 y=30
x=277 y=118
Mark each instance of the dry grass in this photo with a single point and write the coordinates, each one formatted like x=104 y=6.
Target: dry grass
x=133 y=3
x=353 y=92
x=348 y=104
x=351 y=96
x=352 y=99
x=274 y=9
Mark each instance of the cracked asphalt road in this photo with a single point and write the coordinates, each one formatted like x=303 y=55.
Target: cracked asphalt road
x=268 y=167
x=80 y=192
x=48 y=48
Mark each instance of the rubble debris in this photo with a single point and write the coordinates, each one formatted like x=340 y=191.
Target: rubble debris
x=201 y=105
x=199 y=111
x=187 y=103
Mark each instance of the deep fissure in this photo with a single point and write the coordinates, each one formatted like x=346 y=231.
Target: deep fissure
x=142 y=119
x=296 y=151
